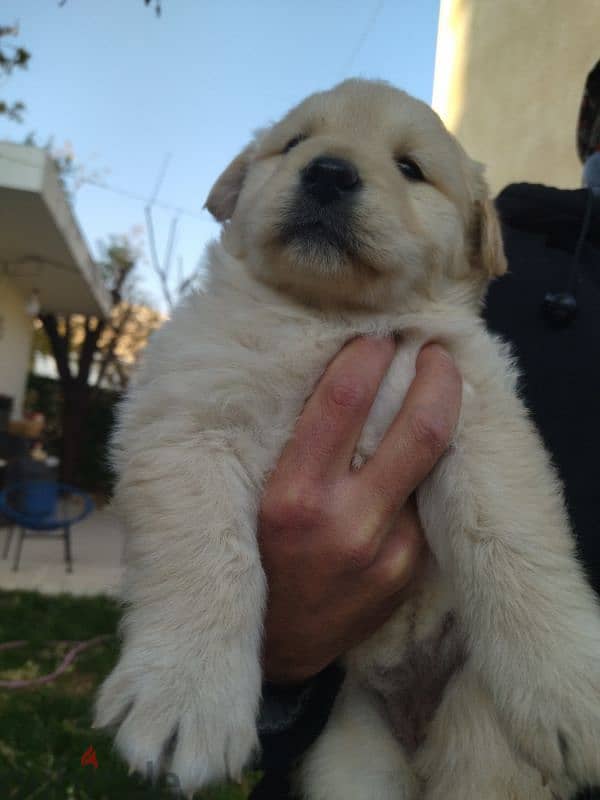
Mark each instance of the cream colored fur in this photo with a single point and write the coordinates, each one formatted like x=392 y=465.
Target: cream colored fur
x=217 y=398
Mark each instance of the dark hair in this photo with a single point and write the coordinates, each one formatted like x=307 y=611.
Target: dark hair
x=588 y=124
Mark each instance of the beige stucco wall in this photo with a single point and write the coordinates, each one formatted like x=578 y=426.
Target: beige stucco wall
x=509 y=77
x=15 y=343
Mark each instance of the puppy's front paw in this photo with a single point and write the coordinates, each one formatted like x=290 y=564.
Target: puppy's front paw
x=560 y=733
x=199 y=727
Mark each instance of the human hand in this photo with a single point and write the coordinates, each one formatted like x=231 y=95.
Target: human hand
x=340 y=546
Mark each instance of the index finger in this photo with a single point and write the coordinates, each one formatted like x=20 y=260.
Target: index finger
x=329 y=427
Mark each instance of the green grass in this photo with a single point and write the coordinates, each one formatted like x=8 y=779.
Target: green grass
x=44 y=731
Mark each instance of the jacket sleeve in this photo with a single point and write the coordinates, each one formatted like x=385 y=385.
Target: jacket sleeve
x=293 y=716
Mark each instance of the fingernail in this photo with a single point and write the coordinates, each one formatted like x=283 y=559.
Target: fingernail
x=438 y=348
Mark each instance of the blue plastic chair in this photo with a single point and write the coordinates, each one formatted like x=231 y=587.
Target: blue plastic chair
x=39 y=508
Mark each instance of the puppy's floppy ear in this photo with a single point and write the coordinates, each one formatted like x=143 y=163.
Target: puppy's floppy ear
x=486 y=247
x=222 y=198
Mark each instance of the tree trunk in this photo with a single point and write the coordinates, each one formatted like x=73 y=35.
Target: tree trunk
x=76 y=391
x=76 y=400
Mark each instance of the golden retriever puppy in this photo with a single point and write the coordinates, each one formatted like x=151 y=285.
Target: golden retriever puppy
x=358 y=213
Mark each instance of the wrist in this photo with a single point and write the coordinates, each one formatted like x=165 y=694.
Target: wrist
x=293 y=673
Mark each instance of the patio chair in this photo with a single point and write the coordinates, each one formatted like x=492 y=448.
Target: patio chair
x=42 y=508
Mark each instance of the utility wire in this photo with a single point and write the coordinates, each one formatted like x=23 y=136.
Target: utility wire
x=144 y=199
x=368 y=29
x=120 y=191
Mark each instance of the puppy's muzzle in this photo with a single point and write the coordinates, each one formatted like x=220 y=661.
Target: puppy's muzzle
x=321 y=210
x=328 y=179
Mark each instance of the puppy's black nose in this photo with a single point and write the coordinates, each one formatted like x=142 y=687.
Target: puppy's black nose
x=327 y=179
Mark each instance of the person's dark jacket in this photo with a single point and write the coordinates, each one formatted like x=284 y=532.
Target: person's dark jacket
x=560 y=367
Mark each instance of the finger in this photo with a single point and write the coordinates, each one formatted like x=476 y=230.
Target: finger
x=421 y=431
x=328 y=429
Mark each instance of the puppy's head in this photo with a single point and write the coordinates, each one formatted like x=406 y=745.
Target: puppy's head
x=360 y=197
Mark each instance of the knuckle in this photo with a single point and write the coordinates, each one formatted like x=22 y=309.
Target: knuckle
x=271 y=511
x=345 y=393
x=388 y=575
x=360 y=553
x=395 y=572
x=431 y=431
x=295 y=506
x=385 y=496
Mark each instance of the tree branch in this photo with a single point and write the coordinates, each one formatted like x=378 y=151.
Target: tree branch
x=88 y=348
x=154 y=258
x=117 y=332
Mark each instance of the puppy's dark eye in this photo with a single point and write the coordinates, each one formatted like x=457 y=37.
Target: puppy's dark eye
x=293 y=142
x=410 y=169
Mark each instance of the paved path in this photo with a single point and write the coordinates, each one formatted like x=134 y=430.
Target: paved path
x=97 y=544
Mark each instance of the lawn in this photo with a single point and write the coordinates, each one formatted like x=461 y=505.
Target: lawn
x=45 y=731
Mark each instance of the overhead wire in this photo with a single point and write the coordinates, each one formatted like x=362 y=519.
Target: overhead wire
x=123 y=192
x=367 y=30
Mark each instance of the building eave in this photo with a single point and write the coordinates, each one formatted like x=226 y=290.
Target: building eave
x=41 y=245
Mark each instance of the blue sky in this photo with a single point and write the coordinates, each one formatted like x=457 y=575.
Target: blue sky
x=129 y=90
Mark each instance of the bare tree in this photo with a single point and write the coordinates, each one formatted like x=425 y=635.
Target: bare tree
x=79 y=344
x=174 y=285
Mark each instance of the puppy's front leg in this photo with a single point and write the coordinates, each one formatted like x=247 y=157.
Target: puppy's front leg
x=186 y=689
x=494 y=516
x=466 y=755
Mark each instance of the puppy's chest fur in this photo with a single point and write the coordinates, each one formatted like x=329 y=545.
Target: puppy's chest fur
x=412 y=690
x=407 y=664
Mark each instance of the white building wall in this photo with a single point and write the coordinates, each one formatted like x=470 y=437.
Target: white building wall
x=509 y=78
x=16 y=331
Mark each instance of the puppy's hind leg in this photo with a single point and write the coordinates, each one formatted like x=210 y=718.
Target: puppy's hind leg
x=356 y=757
